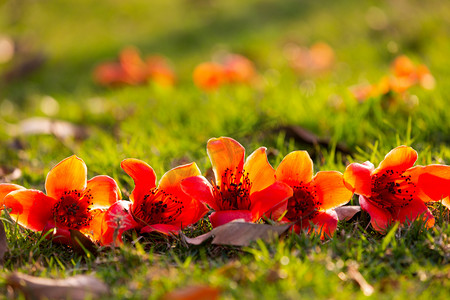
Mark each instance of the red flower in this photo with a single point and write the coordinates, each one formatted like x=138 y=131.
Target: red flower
x=437 y=185
x=314 y=198
x=390 y=192
x=241 y=191
x=164 y=208
x=209 y=76
x=71 y=202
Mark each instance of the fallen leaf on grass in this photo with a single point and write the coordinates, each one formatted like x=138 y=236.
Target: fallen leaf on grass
x=238 y=233
x=3 y=243
x=81 y=244
x=354 y=274
x=305 y=136
x=40 y=125
x=76 y=288
x=25 y=67
x=8 y=174
x=199 y=292
x=345 y=213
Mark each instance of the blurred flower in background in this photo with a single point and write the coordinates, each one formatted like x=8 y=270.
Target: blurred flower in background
x=131 y=69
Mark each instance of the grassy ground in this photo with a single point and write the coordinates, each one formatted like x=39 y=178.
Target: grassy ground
x=167 y=127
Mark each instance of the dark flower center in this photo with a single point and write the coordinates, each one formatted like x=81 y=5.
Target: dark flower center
x=303 y=205
x=234 y=191
x=392 y=190
x=72 y=210
x=157 y=207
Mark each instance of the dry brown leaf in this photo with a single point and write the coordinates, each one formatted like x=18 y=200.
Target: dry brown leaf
x=41 y=125
x=239 y=233
x=304 y=136
x=76 y=288
x=8 y=174
x=354 y=274
x=24 y=67
x=199 y=292
x=345 y=213
x=3 y=243
x=80 y=243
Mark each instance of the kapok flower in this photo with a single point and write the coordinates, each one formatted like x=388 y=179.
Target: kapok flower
x=238 y=69
x=209 y=76
x=164 y=208
x=317 y=59
x=390 y=192
x=437 y=185
x=241 y=190
x=131 y=69
x=71 y=202
x=314 y=198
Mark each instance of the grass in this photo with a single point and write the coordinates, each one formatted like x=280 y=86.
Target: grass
x=167 y=127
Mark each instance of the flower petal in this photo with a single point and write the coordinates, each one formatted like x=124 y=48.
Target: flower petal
x=166 y=229
x=104 y=191
x=260 y=172
x=325 y=223
x=143 y=175
x=5 y=189
x=295 y=167
x=69 y=174
x=410 y=212
x=399 y=159
x=218 y=218
x=225 y=153
x=268 y=199
x=331 y=190
x=357 y=178
x=434 y=181
x=30 y=208
x=94 y=229
x=116 y=221
x=57 y=235
x=171 y=181
x=200 y=189
x=446 y=202
x=379 y=218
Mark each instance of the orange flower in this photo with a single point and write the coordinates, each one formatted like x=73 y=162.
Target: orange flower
x=132 y=70
x=390 y=192
x=314 y=198
x=241 y=190
x=209 y=76
x=437 y=185
x=159 y=70
x=72 y=201
x=318 y=58
x=164 y=208
x=238 y=69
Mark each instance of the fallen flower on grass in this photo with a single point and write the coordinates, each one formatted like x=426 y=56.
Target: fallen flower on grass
x=76 y=287
x=209 y=76
x=390 y=192
x=239 y=233
x=393 y=87
x=71 y=202
x=231 y=69
x=316 y=59
x=164 y=208
x=314 y=199
x=437 y=185
x=241 y=190
x=131 y=69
